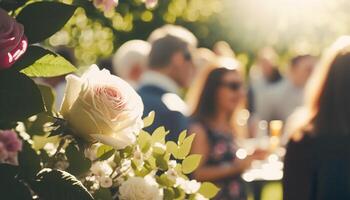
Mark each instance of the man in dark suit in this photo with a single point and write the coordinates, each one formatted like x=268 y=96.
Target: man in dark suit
x=170 y=68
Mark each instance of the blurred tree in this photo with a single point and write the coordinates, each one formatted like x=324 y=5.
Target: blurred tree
x=96 y=34
x=290 y=26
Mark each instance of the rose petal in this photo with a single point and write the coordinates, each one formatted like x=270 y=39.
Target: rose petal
x=118 y=141
x=73 y=88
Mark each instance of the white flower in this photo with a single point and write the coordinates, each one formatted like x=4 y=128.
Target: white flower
x=105 y=181
x=101 y=169
x=136 y=188
x=138 y=157
x=188 y=186
x=100 y=106
x=172 y=164
x=125 y=166
x=200 y=197
x=172 y=174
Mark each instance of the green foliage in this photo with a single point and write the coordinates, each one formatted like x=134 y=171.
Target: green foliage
x=11 y=4
x=183 y=148
x=208 y=190
x=43 y=19
x=29 y=161
x=144 y=140
x=162 y=161
x=164 y=181
x=131 y=19
x=159 y=134
x=103 y=194
x=148 y=121
x=19 y=92
x=40 y=62
x=78 y=163
x=104 y=152
x=11 y=186
x=65 y=186
x=190 y=163
x=169 y=194
x=48 y=98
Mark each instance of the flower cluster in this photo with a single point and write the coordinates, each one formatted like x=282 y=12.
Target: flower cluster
x=94 y=147
x=103 y=110
x=10 y=145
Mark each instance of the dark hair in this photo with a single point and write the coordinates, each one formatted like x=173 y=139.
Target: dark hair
x=330 y=104
x=296 y=60
x=164 y=48
x=206 y=106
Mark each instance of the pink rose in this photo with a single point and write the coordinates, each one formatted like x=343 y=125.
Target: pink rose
x=13 y=42
x=3 y=153
x=10 y=144
x=10 y=140
x=102 y=107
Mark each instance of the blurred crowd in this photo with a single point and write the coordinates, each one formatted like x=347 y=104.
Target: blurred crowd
x=210 y=93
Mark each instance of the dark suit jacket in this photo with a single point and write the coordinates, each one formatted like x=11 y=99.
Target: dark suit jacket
x=318 y=168
x=173 y=121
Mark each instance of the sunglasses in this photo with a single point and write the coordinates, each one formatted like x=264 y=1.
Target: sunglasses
x=187 y=56
x=234 y=86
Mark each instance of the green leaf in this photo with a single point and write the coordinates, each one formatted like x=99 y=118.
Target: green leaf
x=20 y=97
x=208 y=190
x=172 y=147
x=117 y=158
x=179 y=193
x=151 y=163
x=29 y=161
x=159 y=135
x=127 y=152
x=58 y=185
x=43 y=19
x=161 y=161
x=9 y=5
x=78 y=163
x=11 y=186
x=143 y=172
x=185 y=147
x=103 y=194
x=169 y=194
x=148 y=121
x=103 y=149
x=164 y=181
x=182 y=137
x=191 y=163
x=40 y=62
x=144 y=140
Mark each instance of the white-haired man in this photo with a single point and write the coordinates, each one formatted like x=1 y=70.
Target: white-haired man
x=130 y=60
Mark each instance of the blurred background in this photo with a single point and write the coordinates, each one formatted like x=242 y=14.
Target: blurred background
x=254 y=34
x=290 y=26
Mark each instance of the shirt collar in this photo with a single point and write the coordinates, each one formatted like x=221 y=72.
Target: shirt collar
x=159 y=80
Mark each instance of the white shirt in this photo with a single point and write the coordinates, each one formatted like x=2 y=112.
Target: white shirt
x=171 y=98
x=159 y=80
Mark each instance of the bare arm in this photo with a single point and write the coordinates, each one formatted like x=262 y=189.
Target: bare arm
x=212 y=173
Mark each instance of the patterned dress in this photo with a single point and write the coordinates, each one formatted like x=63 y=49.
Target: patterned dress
x=222 y=150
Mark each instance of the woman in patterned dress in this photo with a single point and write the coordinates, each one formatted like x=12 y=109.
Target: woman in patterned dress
x=214 y=139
